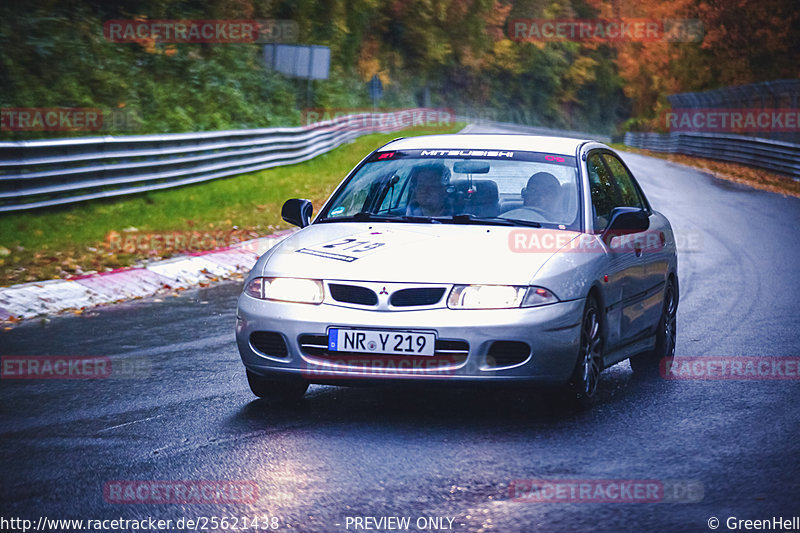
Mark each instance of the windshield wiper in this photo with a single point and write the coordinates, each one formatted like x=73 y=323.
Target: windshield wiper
x=465 y=218
x=518 y=222
x=365 y=216
x=422 y=219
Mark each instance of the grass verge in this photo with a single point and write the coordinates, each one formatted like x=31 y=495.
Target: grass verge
x=103 y=235
x=754 y=177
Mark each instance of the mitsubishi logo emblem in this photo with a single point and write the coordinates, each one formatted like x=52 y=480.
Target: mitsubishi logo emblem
x=383 y=291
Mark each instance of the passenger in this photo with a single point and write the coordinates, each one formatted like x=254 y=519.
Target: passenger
x=542 y=195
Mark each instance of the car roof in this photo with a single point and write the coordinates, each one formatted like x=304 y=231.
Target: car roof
x=476 y=141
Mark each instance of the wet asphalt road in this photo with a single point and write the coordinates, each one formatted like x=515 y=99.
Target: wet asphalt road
x=186 y=413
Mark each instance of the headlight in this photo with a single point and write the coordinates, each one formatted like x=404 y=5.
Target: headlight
x=299 y=290
x=498 y=297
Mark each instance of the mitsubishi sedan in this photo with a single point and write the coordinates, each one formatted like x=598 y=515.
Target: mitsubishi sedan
x=505 y=259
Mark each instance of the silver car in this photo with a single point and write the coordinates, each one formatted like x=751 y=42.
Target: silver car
x=466 y=258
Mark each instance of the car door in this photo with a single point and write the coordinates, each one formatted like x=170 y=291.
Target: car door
x=623 y=267
x=654 y=258
x=644 y=310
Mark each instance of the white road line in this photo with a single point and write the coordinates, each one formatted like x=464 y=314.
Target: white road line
x=129 y=423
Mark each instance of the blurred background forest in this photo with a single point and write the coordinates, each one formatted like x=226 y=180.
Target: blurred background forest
x=443 y=53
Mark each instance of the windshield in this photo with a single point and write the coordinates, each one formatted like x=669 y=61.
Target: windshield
x=509 y=188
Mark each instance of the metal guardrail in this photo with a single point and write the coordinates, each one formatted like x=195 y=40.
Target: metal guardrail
x=768 y=154
x=521 y=120
x=765 y=95
x=536 y=130
x=35 y=174
x=45 y=173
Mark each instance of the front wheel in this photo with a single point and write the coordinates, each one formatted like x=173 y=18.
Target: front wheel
x=276 y=389
x=582 y=387
x=649 y=363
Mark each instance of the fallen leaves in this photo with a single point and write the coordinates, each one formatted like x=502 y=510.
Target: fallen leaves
x=68 y=260
x=754 y=177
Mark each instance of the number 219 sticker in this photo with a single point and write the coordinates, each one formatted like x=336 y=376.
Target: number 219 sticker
x=348 y=248
x=351 y=247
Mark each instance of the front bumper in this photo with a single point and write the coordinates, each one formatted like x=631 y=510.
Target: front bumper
x=551 y=332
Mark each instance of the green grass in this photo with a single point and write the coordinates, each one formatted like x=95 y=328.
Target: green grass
x=57 y=243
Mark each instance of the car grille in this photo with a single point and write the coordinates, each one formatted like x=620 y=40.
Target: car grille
x=269 y=343
x=413 y=297
x=507 y=353
x=353 y=294
x=448 y=352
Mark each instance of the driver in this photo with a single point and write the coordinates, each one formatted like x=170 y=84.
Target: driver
x=428 y=186
x=541 y=195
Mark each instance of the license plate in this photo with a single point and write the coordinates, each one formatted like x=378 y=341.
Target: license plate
x=381 y=342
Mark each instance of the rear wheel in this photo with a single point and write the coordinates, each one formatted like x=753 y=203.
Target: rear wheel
x=649 y=363
x=276 y=389
x=582 y=387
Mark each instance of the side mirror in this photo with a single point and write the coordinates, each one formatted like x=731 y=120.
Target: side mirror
x=624 y=221
x=297 y=212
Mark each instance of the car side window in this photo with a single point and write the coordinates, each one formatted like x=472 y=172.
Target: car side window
x=628 y=192
x=605 y=196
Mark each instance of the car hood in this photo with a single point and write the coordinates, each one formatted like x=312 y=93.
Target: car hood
x=412 y=253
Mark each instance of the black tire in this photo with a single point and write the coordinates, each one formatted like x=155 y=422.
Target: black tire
x=277 y=389
x=582 y=386
x=648 y=364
